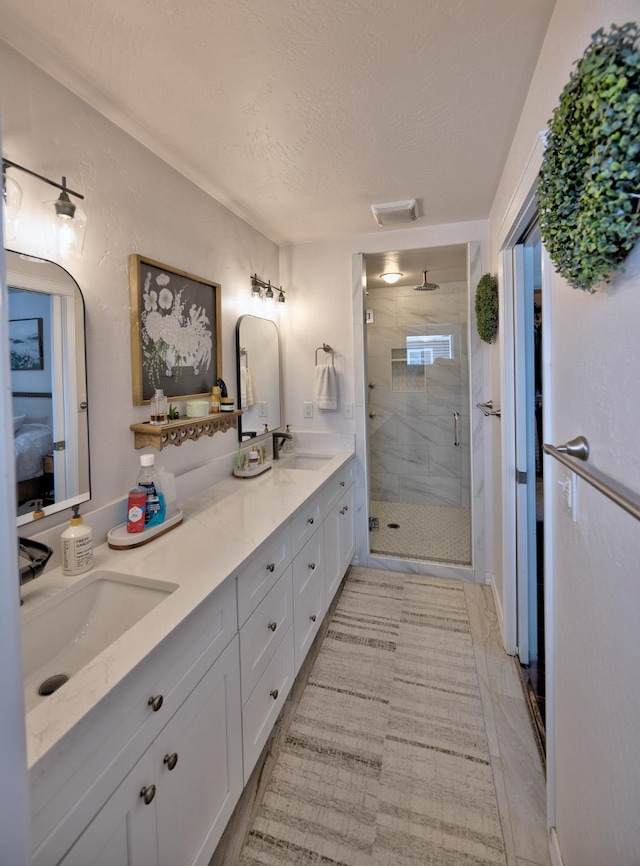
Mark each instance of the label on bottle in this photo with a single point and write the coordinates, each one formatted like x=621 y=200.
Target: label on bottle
x=136 y=510
x=77 y=554
x=153 y=504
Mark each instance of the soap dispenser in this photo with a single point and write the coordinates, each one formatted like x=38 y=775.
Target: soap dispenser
x=77 y=546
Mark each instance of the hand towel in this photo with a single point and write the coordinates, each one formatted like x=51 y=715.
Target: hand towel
x=246 y=388
x=325 y=387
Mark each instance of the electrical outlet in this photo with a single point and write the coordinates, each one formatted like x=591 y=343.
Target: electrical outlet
x=262 y=409
x=347 y=410
x=307 y=410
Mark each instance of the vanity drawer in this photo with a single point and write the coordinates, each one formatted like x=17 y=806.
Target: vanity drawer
x=306 y=521
x=309 y=612
x=263 y=632
x=336 y=486
x=256 y=579
x=266 y=701
x=307 y=564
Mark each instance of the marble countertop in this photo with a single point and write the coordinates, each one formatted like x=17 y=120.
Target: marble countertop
x=222 y=528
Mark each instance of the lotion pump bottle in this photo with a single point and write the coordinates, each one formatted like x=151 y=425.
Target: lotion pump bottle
x=77 y=546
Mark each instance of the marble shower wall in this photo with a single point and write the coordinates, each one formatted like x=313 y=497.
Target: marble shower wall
x=413 y=457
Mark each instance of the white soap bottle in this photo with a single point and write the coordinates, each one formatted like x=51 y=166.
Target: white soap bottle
x=77 y=546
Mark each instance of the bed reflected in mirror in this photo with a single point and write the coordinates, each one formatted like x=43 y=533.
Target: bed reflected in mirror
x=49 y=386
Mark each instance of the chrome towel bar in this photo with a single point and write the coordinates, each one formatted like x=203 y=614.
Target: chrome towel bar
x=578 y=450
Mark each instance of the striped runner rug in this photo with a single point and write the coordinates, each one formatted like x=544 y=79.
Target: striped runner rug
x=386 y=761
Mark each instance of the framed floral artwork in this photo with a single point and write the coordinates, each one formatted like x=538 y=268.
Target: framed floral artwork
x=175 y=332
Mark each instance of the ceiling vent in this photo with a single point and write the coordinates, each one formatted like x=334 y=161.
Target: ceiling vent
x=392 y=213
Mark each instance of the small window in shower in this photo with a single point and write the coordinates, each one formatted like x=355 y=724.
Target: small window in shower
x=425 y=349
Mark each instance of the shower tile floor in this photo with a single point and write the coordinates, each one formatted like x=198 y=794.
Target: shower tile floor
x=437 y=533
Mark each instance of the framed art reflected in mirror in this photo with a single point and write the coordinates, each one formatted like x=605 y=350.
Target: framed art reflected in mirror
x=175 y=331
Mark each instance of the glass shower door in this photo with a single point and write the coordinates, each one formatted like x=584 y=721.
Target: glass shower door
x=419 y=442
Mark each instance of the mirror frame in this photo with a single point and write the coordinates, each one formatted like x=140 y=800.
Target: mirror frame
x=26 y=280
x=244 y=438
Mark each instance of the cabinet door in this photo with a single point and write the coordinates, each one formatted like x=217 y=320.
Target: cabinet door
x=124 y=830
x=347 y=528
x=198 y=766
x=332 y=558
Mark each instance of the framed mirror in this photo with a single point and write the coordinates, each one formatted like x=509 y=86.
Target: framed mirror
x=259 y=376
x=49 y=386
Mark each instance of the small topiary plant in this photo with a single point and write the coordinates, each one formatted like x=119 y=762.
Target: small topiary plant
x=590 y=175
x=487 y=308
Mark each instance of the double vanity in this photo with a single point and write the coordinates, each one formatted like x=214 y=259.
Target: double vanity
x=179 y=657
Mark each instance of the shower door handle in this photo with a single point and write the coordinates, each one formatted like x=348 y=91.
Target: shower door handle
x=456 y=428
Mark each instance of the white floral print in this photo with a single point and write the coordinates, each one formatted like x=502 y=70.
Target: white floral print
x=172 y=340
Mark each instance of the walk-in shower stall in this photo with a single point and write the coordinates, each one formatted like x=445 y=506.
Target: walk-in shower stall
x=417 y=412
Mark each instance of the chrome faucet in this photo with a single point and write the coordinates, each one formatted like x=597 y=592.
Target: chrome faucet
x=278 y=439
x=37 y=555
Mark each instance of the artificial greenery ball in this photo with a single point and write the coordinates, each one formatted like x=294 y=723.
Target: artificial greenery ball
x=590 y=176
x=487 y=308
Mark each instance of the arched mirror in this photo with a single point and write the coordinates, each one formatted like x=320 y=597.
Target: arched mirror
x=49 y=386
x=259 y=376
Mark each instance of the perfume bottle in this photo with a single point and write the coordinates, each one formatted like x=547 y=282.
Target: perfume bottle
x=158 y=408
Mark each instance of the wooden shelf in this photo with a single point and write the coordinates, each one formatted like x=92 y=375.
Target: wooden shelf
x=177 y=432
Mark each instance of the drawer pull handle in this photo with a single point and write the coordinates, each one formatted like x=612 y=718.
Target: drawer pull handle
x=155 y=702
x=310 y=520
x=271 y=567
x=148 y=793
x=342 y=511
x=274 y=694
x=312 y=617
x=171 y=760
x=273 y=626
x=312 y=566
x=342 y=483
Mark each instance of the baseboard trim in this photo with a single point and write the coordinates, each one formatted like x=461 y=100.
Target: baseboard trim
x=554 y=848
x=499 y=612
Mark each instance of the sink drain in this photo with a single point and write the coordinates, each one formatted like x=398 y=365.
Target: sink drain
x=393 y=525
x=52 y=684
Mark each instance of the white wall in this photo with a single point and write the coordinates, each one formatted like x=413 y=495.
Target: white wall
x=135 y=203
x=596 y=597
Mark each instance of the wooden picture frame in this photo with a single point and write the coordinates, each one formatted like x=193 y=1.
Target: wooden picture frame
x=176 y=340
x=25 y=344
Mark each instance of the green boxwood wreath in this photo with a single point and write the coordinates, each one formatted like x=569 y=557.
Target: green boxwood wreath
x=487 y=308
x=590 y=176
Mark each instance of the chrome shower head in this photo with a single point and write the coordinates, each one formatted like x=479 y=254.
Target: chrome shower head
x=426 y=287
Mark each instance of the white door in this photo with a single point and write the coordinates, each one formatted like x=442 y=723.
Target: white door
x=526 y=257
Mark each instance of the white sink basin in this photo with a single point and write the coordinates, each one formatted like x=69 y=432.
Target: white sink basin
x=304 y=461
x=61 y=634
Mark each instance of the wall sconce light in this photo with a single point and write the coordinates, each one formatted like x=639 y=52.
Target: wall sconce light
x=12 y=199
x=391 y=277
x=66 y=222
x=264 y=291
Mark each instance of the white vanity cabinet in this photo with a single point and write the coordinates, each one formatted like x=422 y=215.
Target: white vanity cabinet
x=174 y=804
x=151 y=775
x=338 y=528
x=184 y=702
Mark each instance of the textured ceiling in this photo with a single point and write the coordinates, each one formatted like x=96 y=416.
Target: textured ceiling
x=298 y=115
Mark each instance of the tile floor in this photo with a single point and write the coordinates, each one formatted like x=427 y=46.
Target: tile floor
x=436 y=533
x=517 y=768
